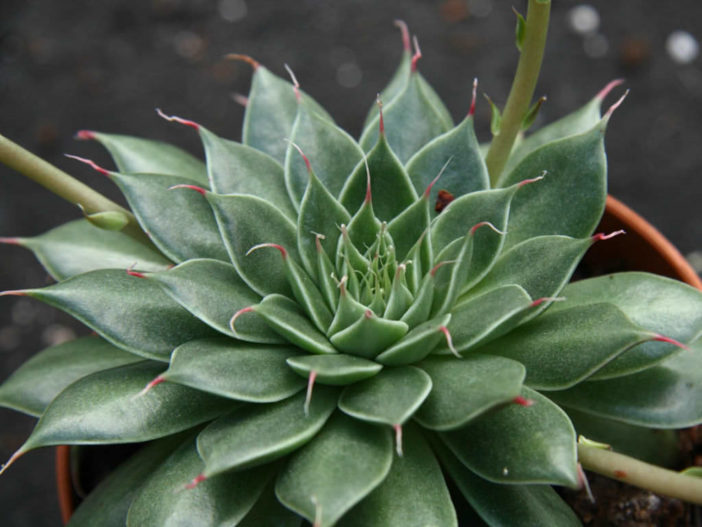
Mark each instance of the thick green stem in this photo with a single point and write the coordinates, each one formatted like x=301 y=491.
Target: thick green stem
x=523 y=87
x=63 y=185
x=640 y=474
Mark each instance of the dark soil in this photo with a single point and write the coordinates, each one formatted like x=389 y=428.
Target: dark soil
x=106 y=65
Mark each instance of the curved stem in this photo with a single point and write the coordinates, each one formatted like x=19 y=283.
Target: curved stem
x=63 y=185
x=640 y=474
x=523 y=86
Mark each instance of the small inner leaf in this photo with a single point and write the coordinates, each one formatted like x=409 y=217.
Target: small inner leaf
x=335 y=370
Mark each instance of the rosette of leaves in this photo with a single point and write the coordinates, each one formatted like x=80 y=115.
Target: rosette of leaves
x=335 y=331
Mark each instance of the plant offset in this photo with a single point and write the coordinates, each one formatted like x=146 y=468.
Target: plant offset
x=307 y=327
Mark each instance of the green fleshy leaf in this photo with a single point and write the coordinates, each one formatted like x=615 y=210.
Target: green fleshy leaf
x=234 y=168
x=270 y=113
x=577 y=122
x=337 y=469
x=78 y=247
x=332 y=153
x=132 y=313
x=363 y=231
x=495 y=117
x=518 y=444
x=246 y=221
x=664 y=396
x=213 y=291
x=109 y=220
x=508 y=505
x=661 y=305
x=246 y=372
x=659 y=447
x=411 y=121
x=257 y=434
x=286 y=318
x=409 y=227
x=164 y=501
x=466 y=171
x=135 y=154
x=519 y=30
x=561 y=349
x=413 y=493
x=320 y=213
x=121 y=486
x=369 y=335
x=570 y=199
x=308 y=296
x=486 y=317
x=38 y=381
x=464 y=389
x=391 y=397
x=178 y=221
x=416 y=344
x=533 y=113
x=335 y=370
x=107 y=407
x=389 y=182
x=541 y=266
x=469 y=210
x=268 y=512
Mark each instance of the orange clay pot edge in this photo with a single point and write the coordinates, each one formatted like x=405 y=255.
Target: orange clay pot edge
x=615 y=208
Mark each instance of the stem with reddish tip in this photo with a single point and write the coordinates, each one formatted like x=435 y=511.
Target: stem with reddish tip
x=63 y=185
x=523 y=85
x=640 y=474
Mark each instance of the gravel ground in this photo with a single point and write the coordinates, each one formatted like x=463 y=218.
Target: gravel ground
x=106 y=65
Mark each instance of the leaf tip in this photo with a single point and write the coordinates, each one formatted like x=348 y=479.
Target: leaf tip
x=308 y=395
x=92 y=164
x=449 y=340
x=14 y=292
x=240 y=99
x=404 y=30
x=282 y=250
x=151 y=384
x=471 y=111
x=398 y=439
x=523 y=401
x=179 y=120
x=602 y=94
x=85 y=135
x=304 y=157
x=200 y=190
x=243 y=58
x=195 y=481
x=11 y=241
x=417 y=54
x=616 y=105
x=600 y=236
x=236 y=315
x=584 y=483
x=539 y=301
x=14 y=457
x=295 y=83
x=482 y=224
x=662 y=338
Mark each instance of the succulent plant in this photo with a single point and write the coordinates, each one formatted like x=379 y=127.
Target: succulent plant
x=315 y=328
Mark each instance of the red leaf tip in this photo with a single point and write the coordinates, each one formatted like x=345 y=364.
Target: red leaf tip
x=368 y=314
x=308 y=395
x=584 y=483
x=484 y=223
x=471 y=112
x=610 y=86
x=433 y=181
x=406 y=45
x=155 y=382
x=449 y=340
x=243 y=58
x=381 y=121
x=543 y=299
x=282 y=250
x=296 y=85
x=522 y=401
x=616 y=105
x=92 y=164
x=240 y=99
x=236 y=315
x=180 y=120
x=304 y=157
x=11 y=461
x=13 y=292
x=417 y=54
x=11 y=241
x=196 y=481
x=191 y=187
x=398 y=439
x=532 y=180
x=662 y=338
x=133 y=273
x=600 y=236
x=85 y=135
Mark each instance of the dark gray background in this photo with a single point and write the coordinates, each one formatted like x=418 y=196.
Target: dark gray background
x=106 y=65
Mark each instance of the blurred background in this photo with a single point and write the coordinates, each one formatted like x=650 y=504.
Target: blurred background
x=66 y=66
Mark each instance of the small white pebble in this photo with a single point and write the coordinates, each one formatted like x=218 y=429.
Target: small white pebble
x=682 y=47
x=584 y=19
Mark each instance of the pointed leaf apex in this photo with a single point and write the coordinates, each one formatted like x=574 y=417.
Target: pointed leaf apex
x=240 y=99
x=471 y=112
x=443 y=168
x=196 y=481
x=584 y=483
x=191 y=187
x=11 y=461
x=616 y=105
x=180 y=120
x=439 y=265
x=14 y=292
x=236 y=315
x=282 y=250
x=90 y=163
x=368 y=314
x=308 y=395
x=398 y=439
x=600 y=236
x=243 y=58
x=483 y=223
x=11 y=241
x=602 y=94
x=417 y=54
x=155 y=382
x=381 y=121
x=136 y=274
x=539 y=301
x=342 y=285
x=369 y=194
x=406 y=44
x=662 y=338
x=522 y=401
x=85 y=135
x=317 y=511
x=304 y=157
x=318 y=241
x=532 y=180
x=296 y=84
x=449 y=340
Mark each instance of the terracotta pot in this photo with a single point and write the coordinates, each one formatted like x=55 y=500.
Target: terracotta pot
x=642 y=249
